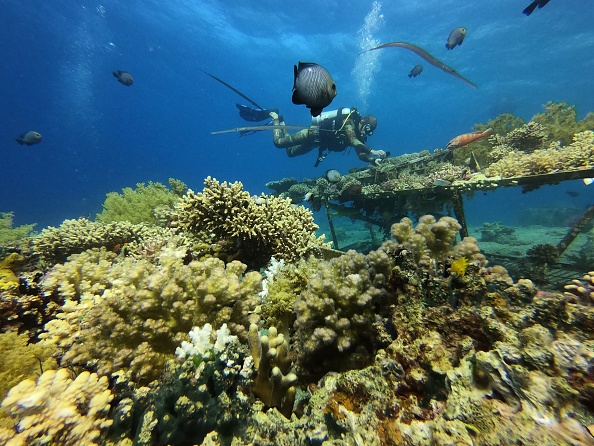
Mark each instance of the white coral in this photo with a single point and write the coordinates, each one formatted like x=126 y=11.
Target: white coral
x=201 y=344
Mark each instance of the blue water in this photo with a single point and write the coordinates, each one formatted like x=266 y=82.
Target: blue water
x=100 y=136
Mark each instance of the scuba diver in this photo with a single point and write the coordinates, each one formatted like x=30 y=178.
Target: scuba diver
x=332 y=131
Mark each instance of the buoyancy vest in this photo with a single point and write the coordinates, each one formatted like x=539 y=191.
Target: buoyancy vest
x=331 y=124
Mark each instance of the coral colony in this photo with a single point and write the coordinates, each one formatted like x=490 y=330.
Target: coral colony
x=217 y=318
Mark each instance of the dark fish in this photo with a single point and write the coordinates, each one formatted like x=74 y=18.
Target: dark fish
x=572 y=193
x=415 y=71
x=313 y=86
x=425 y=55
x=456 y=38
x=124 y=77
x=29 y=138
x=532 y=6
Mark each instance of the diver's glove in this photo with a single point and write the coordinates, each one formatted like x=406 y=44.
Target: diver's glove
x=376 y=162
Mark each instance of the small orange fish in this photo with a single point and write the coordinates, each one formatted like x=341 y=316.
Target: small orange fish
x=467 y=138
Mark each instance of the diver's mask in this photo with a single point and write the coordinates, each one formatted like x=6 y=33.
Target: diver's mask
x=367 y=129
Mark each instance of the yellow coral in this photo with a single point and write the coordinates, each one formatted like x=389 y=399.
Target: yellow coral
x=58 y=410
x=9 y=282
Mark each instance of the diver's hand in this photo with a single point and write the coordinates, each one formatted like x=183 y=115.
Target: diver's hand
x=376 y=162
x=379 y=153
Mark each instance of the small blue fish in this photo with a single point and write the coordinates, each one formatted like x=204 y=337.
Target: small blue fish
x=415 y=71
x=29 y=138
x=123 y=77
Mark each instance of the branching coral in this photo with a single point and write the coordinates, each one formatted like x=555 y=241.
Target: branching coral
x=581 y=291
x=139 y=205
x=21 y=360
x=527 y=139
x=256 y=231
x=74 y=236
x=580 y=153
x=132 y=313
x=58 y=410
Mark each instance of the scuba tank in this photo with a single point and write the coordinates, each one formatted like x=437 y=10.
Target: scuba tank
x=330 y=115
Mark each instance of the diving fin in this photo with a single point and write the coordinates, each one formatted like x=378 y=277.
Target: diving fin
x=253 y=114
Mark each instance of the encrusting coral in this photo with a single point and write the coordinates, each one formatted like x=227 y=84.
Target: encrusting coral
x=131 y=313
x=255 y=230
x=58 y=410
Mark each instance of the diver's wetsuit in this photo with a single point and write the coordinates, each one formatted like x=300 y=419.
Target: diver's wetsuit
x=333 y=134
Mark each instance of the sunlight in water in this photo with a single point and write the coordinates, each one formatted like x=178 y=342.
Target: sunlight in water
x=367 y=64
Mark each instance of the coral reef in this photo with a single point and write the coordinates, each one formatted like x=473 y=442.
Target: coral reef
x=143 y=204
x=527 y=139
x=337 y=311
x=74 y=236
x=8 y=233
x=274 y=383
x=255 y=230
x=9 y=282
x=20 y=360
x=58 y=410
x=203 y=394
x=578 y=154
x=127 y=312
x=560 y=120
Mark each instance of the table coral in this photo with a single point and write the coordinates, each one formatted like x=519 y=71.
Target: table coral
x=58 y=410
x=256 y=230
x=131 y=313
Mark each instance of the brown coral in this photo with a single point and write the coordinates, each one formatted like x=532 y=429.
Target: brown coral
x=256 y=229
x=130 y=313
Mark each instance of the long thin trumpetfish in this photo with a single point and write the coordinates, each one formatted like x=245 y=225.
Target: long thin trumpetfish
x=258 y=128
x=425 y=55
x=234 y=89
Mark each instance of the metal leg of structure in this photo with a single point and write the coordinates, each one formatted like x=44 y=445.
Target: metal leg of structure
x=458 y=203
x=331 y=224
x=575 y=230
